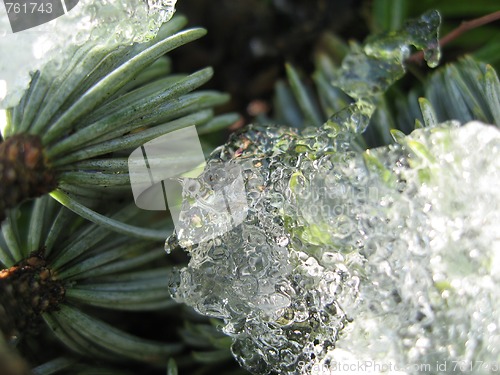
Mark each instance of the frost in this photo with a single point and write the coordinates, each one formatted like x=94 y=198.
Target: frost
x=387 y=257
x=107 y=23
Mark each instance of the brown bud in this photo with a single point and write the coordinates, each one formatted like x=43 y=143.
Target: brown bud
x=27 y=290
x=24 y=171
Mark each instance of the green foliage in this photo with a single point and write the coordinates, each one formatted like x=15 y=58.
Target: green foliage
x=100 y=107
x=106 y=103
x=96 y=268
x=463 y=90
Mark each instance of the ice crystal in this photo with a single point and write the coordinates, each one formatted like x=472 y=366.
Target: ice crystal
x=388 y=257
x=106 y=22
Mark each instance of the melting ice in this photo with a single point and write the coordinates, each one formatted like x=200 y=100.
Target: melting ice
x=105 y=22
x=390 y=256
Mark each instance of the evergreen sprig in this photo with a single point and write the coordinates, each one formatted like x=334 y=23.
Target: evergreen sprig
x=68 y=141
x=464 y=91
x=69 y=130
x=70 y=137
x=58 y=269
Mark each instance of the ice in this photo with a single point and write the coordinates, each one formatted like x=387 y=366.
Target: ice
x=369 y=70
x=387 y=258
x=442 y=271
x=107 y=22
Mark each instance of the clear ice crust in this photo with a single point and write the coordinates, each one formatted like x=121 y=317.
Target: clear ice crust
x=348 y=261
x=389 y=257
x=381 y=261
x=377 y=261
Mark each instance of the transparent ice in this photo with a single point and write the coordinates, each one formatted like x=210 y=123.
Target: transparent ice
x=106 y=23
x=390 y=256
